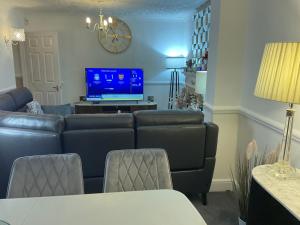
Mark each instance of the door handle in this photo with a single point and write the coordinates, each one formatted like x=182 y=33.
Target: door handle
x=56 y=88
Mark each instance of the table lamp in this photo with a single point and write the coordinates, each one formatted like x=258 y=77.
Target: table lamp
x=279 y=80
x=174 y=63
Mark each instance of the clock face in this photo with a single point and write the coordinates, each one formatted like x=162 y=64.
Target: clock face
x=118 y=37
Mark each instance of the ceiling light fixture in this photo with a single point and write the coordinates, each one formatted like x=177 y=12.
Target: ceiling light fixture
x=103 y=24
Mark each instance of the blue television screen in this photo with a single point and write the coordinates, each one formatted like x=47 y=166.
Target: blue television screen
x=105 y=84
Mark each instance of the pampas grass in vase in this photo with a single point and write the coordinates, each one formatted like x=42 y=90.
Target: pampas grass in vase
x=241 y=178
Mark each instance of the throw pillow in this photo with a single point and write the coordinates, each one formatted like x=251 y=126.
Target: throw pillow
x=34 y=107
x=62 y=110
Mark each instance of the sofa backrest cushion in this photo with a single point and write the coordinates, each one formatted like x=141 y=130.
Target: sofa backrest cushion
x=98 y=121
x=21 y=96
x=62 y=110
x=51 y=123
x=92 y=137
x=7 y=103
x=167 y=117
x=182 y=134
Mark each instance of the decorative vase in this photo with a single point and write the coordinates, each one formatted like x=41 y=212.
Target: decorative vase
x=241 y=222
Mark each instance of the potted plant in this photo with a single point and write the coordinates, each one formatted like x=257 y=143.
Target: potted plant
x=241 y=178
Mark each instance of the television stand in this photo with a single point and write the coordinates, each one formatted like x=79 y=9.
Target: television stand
x=113 y=107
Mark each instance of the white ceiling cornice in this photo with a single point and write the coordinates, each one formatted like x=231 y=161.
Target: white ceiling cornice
x=177 y=8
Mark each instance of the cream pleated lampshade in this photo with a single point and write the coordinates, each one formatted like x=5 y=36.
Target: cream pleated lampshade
x=279 y=75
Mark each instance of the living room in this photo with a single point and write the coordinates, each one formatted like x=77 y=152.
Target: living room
x=238 y=33
x=149 y=46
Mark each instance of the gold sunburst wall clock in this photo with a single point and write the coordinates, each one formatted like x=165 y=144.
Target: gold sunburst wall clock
x=117 y=38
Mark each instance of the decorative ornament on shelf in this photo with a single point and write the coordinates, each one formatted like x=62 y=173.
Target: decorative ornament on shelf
x=204 y=61
x=279 y=80
x=190 y=67
x=199 y=63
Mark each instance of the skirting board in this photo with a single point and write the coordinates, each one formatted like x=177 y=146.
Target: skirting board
x=220 y=185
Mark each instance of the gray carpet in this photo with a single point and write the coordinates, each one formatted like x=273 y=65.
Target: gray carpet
x=222 y=208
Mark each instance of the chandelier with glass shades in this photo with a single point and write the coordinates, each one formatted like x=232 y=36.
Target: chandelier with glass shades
x=103 y=24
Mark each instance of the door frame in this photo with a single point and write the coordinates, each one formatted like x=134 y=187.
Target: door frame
x=24 y=66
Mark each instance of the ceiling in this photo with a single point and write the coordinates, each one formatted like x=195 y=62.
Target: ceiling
x=115 y=7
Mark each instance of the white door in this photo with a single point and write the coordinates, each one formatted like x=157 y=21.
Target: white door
x=41 y=65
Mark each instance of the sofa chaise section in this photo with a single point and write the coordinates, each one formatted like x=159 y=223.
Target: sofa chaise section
x=26 y=135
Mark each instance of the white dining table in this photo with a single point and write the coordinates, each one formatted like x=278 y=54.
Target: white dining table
x=162 y=207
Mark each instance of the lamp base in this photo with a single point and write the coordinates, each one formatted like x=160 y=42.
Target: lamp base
x=283 y=170
x=174 y=89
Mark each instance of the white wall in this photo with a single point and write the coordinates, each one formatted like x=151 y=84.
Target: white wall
x=239 y=32
x=153 y=40
x=225 y=67
x=227 y=46
x=269 y=20
x=7 y=76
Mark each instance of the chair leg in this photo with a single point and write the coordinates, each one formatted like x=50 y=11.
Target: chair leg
x=204 y=198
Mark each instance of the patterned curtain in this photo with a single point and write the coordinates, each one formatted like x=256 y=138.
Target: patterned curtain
x=202 y=23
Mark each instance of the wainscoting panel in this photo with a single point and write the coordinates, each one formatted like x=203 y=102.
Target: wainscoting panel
x=268 y=135
x=249 y=126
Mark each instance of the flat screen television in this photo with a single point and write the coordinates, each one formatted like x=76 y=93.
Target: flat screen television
x=108 y=84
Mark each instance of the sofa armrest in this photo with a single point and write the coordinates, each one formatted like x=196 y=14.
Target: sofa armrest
x=211 y=139
x=25 y=121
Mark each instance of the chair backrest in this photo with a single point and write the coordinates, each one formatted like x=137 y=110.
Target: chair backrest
x=137 y=170
x=47 y=175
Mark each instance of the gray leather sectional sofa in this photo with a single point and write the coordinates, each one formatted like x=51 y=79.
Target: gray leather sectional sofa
x=190 y=143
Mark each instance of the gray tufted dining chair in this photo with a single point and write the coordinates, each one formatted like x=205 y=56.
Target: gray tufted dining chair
x=46 y=175
x=137 y=170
